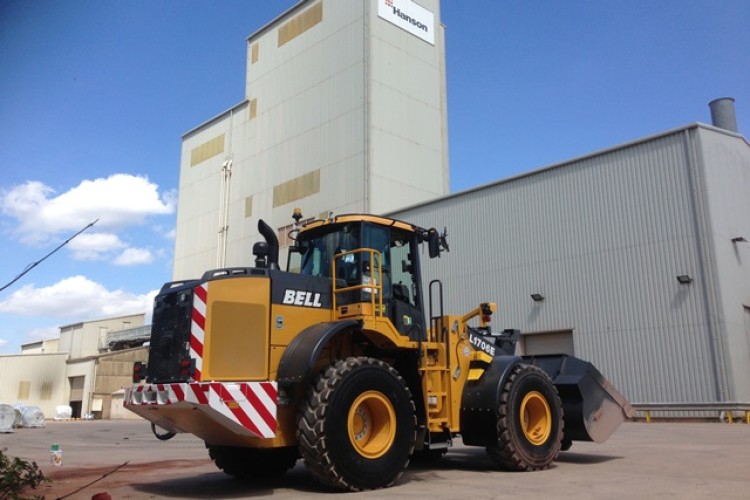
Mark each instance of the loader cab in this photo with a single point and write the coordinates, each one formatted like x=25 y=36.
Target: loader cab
x=366 y=256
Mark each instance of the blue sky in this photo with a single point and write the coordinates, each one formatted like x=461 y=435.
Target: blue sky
x=95 y=95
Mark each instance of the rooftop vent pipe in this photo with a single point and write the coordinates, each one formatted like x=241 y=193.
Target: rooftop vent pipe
x=722 y=114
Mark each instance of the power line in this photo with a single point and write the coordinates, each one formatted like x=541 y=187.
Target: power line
x=34 y=264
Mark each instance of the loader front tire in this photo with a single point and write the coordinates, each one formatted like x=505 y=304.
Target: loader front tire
x=357 y=426
x=529 y=421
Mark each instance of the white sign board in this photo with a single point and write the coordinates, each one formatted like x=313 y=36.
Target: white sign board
x=410 y=17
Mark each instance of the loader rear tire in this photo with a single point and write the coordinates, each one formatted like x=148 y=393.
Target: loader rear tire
x=357 y=427
x=252 y=463
x=529 y=421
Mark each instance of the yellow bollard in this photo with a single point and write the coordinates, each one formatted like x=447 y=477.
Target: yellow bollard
x=648 y=417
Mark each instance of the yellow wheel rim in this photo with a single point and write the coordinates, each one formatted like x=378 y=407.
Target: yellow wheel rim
x=536 y=418
x=372 y=424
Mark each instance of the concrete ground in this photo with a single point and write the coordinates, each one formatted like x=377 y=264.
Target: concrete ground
x=677 y=460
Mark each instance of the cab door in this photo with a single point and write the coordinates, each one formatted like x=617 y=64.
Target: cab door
x=401 y=286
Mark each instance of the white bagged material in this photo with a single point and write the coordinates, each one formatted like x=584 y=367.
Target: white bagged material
x=32 y=416
x=7 y=418
x=18 y=422
x=63 y=412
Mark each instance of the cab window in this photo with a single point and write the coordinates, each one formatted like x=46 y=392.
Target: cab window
x=316 y=250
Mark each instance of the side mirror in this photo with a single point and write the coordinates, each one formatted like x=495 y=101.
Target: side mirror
x=433 y=243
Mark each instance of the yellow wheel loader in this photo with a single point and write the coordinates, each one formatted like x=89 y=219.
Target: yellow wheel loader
x=345 y=361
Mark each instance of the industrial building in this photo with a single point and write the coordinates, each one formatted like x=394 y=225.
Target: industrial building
x=77 y=369
x=635 y=258
x=345 y=111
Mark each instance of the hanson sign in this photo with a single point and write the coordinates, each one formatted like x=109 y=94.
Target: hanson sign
x=409 y=16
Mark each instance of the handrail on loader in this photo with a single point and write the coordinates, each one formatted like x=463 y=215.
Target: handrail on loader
x=375 y=285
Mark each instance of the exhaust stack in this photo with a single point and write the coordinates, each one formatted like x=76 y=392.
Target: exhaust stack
x=723 y=114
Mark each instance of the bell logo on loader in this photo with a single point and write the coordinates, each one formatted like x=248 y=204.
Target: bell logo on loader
x=301 y=298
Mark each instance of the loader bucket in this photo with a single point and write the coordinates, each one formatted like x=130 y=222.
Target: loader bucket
x=593 y=407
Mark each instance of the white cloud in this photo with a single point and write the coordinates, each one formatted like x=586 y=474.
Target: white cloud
x=94 y=246
x=166 y=233
x=134 y=257
x=119 y=200
x=170 y=197
x=2 y=343
x=76 y=297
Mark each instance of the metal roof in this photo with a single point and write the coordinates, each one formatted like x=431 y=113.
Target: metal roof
x=568 y=162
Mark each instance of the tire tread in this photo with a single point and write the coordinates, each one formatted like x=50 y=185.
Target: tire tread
x=506 y=453
x=313 y=444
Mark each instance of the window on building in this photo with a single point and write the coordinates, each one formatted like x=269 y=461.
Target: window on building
x=254 y=48
x=248 y=207
x=24 y=390
x=46 y=391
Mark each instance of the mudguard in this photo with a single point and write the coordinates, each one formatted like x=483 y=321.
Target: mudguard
x=481 y=400
x=302 y=353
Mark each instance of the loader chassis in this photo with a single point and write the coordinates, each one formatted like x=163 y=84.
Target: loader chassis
x=337 y=361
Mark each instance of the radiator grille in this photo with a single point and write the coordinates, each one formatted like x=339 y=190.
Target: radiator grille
x=170 y=335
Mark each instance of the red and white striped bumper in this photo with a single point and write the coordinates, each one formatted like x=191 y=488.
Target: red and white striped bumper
x=249 y=408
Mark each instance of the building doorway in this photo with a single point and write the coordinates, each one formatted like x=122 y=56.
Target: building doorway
x=76 y=395
x=555 y=342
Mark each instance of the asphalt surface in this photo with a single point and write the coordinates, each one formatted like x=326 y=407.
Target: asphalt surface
x=122 y=458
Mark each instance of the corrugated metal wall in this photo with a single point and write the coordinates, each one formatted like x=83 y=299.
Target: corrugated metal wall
x=602 y=238
x=84 y=339
x=727 y=212
x=115 y=371
x=43 y=373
